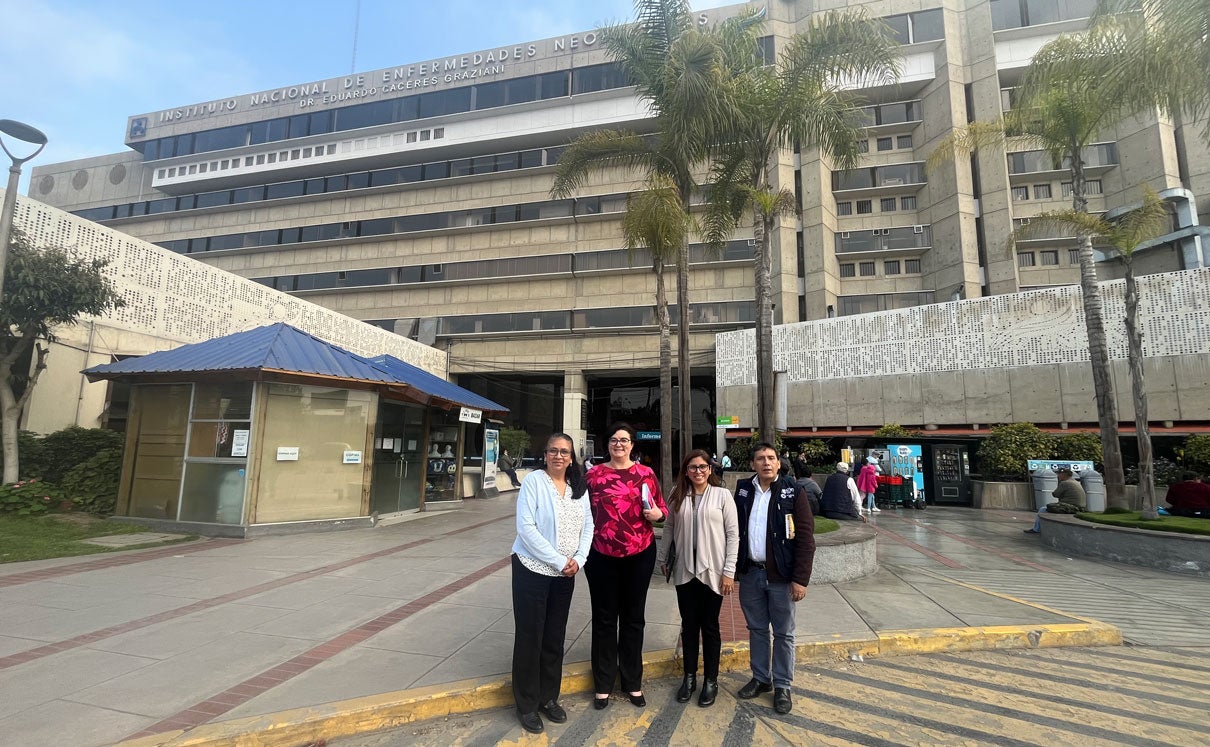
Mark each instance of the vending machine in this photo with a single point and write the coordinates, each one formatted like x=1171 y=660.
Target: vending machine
x=906 y=461
x=951 y=483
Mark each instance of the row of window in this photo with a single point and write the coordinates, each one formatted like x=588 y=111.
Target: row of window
x=403 y=224
x=497 y=268
x=1030 y=161
x=868 y=304
x=1011 y=14
x=913 y=28
x=901 y=142
x=525 y=159
x=260 y=159
x=884 y=239
x=403 y=109
x=869 y=269
x=1046 y=258
x=892 y=175
x=896 y=112
x=885 y=205
x=726 y=312
x=1043 y=191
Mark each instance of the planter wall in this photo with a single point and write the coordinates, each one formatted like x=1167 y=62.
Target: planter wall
x=1012 y=495
x=1167 y=551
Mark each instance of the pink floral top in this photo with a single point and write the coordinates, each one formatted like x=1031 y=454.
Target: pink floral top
x=617 y=508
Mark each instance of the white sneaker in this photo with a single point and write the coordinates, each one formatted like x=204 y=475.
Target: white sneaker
x=875 y=510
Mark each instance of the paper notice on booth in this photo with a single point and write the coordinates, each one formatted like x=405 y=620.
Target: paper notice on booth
x=239 y=443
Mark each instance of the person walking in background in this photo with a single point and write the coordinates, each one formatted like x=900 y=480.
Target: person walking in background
x=509 y=467
x=867 y=484
x=626 y=500
x=776 y=553
x=554 y=533
x=726 y=461
x=840 y=499
x=703 y=525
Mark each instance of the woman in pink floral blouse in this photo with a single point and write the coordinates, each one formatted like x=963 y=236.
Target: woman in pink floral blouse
x=626 y=501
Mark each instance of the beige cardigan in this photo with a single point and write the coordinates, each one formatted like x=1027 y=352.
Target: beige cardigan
x=717 y=539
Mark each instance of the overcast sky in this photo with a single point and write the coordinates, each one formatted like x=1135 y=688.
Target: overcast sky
x=76 y=69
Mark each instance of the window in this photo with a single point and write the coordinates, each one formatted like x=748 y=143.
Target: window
x=1041 y=191
x=844 y=208
x=911 y=267
x=903 y=141
x=886 y=143
x=1073 y=256
x=864 y=207
x=863 y=146
x=866 y=269
x=913 y=28
x=1065 y=189
x=1025 y=259
x=1092 y=187
x=907 y=203
x=848 y=270
x=1020 y=193
x=1050 y=257
x=887 y=204
x=890 y=267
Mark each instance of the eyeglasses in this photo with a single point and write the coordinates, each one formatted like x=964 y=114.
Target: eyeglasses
x=558 y=452
x=698 y=467
x=618 y=441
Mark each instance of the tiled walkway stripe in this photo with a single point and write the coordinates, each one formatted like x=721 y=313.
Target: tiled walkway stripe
x=232 y=697
x=110 y=561
x=896 y=537
x=21 y=657
x=985 y=548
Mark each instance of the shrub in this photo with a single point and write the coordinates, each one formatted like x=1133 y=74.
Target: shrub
x=741 y=449
x=93 y=483
x=515 y=440
x=816 y=451
x=29 y=497
x=894 y=430
x=1079 y=447
x=62 y=450
x=1062 y=508
x=1003 y=454
x=1197 y=453
x=1165 y=472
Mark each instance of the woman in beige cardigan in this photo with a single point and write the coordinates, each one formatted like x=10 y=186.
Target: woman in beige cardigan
x=703 y=522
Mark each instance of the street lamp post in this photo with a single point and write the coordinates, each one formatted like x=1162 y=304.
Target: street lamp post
x=24 y=133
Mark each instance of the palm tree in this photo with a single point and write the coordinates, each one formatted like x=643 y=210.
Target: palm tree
x=1066 y=98
x=807 y=98
x=1162 y=53
x=674 y=68
x=1124 y=233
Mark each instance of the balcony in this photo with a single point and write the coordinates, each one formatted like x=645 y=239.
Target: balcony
x=884 y=241
x=1034 y=165
x=900 y=117
x=898 y=178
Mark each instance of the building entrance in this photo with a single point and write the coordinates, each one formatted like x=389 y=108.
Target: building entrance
x=398 y=461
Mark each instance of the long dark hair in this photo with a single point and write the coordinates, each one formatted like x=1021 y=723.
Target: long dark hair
x=683 y=486
x=574 y=474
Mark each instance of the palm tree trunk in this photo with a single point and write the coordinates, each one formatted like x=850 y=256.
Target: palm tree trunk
x=1098 y=350
x=682 y=345
x=1134 y=337
x=661 y=312
x=761 y=228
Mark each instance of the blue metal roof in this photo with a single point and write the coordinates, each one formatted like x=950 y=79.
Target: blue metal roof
x=434 y=385
x=280 y=347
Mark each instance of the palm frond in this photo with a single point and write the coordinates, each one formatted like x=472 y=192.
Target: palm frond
x=596 y=150
x=844 y=48
x=655 y=219
x=963 y=141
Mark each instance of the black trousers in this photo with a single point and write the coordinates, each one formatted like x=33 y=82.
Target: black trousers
x=540 y=605
x=619 y=602
x=700 y=608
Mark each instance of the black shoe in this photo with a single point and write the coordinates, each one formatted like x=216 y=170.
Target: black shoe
x=600 y=703
x=753 y=688
x=781 y=700
x=709 y=692
x=637 y=700
x=688 y=685
x=554 y=712
x=531 y=722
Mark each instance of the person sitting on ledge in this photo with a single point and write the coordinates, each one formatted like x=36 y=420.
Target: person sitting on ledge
x=1190 y=497
x=840 y=499
x=1067 y=491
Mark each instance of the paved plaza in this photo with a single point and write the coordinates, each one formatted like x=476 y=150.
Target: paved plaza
x=144 y=644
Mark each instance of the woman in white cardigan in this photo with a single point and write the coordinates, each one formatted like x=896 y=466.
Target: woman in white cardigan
x=704 y=524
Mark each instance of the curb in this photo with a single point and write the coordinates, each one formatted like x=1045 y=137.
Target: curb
x=389 y=710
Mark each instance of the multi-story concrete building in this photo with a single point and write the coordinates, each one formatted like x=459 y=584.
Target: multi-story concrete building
x=417 y=198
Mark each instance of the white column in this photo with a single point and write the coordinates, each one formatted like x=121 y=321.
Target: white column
x=575 y=400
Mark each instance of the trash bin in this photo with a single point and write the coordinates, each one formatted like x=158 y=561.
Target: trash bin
x=1094 y=489
x=1045 y=483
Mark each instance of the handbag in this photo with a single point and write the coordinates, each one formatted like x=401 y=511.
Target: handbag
x=670 y=563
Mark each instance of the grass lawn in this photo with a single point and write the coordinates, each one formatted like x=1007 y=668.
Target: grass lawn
x=1182 y=524
x=823 y=526
x=58 y=536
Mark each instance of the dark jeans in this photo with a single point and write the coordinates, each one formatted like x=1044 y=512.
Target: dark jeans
x=619 y=601
x=700 y=608
x=768 y=605
x=540 y=605
x=512 y=475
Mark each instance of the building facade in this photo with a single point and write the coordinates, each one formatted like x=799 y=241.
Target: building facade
x=417 y=198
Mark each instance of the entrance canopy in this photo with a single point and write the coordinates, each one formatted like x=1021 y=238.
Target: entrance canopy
x=281 y=351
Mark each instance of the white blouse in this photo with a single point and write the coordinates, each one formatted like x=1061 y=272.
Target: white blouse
x=569 y=519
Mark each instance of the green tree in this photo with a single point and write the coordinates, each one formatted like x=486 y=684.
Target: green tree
x=807 y=98
x=1196 y=454
x=1124 y=233
x=1079 y=447
x=1003 y=454
x=43 y=289
x=515 y=441
x=1066 y=99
